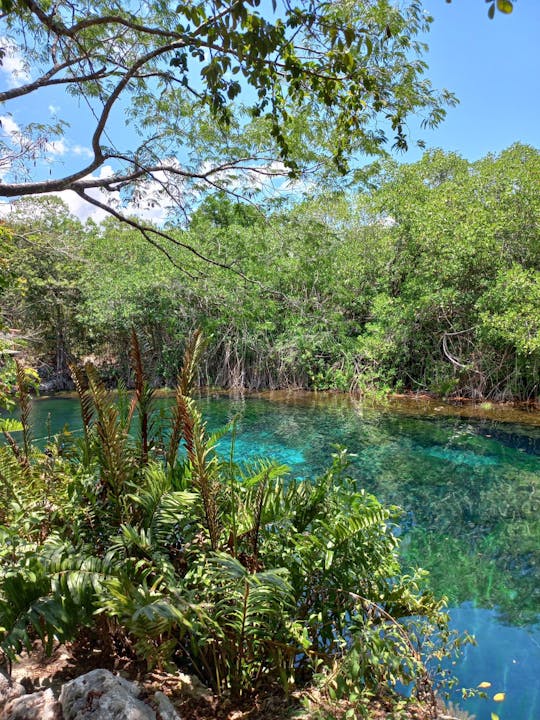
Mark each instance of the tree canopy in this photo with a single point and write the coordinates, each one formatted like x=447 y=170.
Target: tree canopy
x=429 y=281
x=221 y=94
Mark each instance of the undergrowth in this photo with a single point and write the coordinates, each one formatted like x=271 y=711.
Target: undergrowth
x=234 y=572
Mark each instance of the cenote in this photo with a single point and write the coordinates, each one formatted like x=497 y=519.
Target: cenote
x=470 y=492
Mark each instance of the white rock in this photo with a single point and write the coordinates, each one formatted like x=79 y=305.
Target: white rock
x=100 y=695
x=41 y=705
x=192 y=686
x=9 y=690
x=166 y=709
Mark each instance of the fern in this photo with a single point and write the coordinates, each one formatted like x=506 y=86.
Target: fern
x=51 y=593
x=144 y=396
x=181 y=421
x=24 y=407
x=10 y=425
x=240 y=573
x=80 y=380
x=250 y=610
x=113 y=448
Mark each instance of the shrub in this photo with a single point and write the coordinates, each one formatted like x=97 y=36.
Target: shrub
x=237 y=573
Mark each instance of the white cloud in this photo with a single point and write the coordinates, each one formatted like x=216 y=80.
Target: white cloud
x=77 y=207
x=13 y=65
x=82 y=150
x=9 y=126
x=56 y=147
x=85 y=210
x=147 y=206
x=54 y=109
x=82 y=209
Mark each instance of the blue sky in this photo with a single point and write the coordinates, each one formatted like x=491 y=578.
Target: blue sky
x=493 y=66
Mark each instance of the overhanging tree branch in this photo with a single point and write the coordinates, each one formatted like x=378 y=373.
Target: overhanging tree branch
x=218 y=90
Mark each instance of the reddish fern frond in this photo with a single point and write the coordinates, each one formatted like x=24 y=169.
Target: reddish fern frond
x=204 y=478
x=192 y=356
x=24 y=405
x=113 y=443
x=80 y=381
x=143 y=394
x=182 y=421
x=177 y=425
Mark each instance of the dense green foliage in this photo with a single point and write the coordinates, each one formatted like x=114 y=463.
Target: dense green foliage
x=429 y=280
x=236 y=573
x=217 y=93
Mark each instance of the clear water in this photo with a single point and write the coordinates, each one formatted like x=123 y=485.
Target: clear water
x=470 y=490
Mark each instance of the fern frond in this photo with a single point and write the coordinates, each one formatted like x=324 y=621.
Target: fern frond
x=80 y=380
x=192 y=357
x=24 y=406
x=17 y=452
x=181 y=426
x=250 y=609
x=10 y=425
x=52 y=592
x=114 y=453
x=13 y=479
x=144 y=395
x=182 y=416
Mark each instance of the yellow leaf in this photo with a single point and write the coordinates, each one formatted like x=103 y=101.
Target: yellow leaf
x=484 y=684
x=505 y=6
x=499 y=697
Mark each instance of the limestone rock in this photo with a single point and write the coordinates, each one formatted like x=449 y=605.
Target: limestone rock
x=41 y=705
x=9 y=690
x=100 y=695
x=166 y=710
x=192 y=686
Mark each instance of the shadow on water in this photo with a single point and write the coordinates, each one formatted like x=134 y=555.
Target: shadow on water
x=470 y=490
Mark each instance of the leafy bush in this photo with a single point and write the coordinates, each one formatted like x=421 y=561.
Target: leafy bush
x=237 y=573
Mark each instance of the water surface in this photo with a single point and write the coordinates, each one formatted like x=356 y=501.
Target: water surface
x=470 y=490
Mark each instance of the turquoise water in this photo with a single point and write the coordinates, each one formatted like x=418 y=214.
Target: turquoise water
x=470 y=490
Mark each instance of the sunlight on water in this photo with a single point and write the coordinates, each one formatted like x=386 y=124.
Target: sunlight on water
x=470 y=489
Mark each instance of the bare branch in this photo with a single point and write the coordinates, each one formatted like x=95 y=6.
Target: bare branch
x=48 y=79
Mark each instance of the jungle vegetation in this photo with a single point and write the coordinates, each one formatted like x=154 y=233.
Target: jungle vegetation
x=170 y=554
x=426 y=280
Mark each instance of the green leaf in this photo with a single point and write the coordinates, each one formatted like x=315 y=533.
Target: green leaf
x=505 y=6
x=10 y=425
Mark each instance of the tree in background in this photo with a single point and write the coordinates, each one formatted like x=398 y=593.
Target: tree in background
x=429 y=281
x=458 y=233
x=44 y=252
